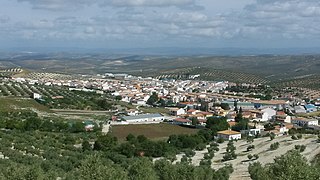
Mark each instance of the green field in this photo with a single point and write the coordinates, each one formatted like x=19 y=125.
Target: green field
x=17 y=104
x=152 y=131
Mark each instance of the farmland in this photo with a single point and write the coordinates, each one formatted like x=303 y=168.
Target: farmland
x=8 y=104
x=152 y=131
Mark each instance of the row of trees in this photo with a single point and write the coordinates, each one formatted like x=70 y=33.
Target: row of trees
x=30 y=121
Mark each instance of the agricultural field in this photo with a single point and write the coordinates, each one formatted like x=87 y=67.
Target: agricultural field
x=152 y=131
x=8 y=104
x=262 y=149
x=212 y=75
x=55 y=97
x=311 y=82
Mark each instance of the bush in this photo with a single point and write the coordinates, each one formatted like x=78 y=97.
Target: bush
x=250 y=147
x=294 y=137
x=299 y=136
x=274 y=146
x=189 y=153
x=300 y=148
x=220 y=140
x=200 y=147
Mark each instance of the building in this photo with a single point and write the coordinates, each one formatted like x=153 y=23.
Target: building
x=269 y=113
x=176 y=111
x=229 y=135
x=251 y=132
x=182 y=121
x=310 y=108
x=145 y=118
x=304 y=122
x=36 y=96
x=274 y=104
x=299 y=110
x=282 y=117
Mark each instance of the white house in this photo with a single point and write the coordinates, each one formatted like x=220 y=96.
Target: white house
x=176 y=111
x=132 y=112
x=36 y=96
x=304 y=122
x=268 y=114
x=251 y=132
x=229 y=135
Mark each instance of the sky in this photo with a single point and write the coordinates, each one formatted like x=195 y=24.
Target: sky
x=160 y=23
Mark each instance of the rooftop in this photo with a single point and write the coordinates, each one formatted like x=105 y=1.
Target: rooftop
x=142 y=116
x=270 y=102
x=228 y=132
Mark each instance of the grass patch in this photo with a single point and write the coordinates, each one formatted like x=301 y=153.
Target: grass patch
x=17 y=104
x=152 y=131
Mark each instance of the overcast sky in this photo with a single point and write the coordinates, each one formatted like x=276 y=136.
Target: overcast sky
x=160 y=23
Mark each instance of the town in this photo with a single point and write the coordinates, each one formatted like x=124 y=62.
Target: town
x=135 y=106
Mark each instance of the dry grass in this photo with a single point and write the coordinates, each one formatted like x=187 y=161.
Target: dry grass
x=152 y=131
x=16 y=104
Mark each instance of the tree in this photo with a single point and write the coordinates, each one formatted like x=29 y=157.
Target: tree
x=235 y=104
x=299 y=136
x=290 y=166
x=239 y=116
x=94 y=168
x=272 y=136
x=217 y=124
x=274 y=146
x=153 y=99
x=77 y=127
x=131 y=138
x=105 y=142
x=300 y=148
x=225 y=106
x=230 y=152
x=258 y=172
x=250 y=147
x=194 y=121
x=86 y=146
x=294 y=137
x=118 y=98
x=141 y=169
x=250 y=157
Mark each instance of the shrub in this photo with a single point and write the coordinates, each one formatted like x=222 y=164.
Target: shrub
x=274 y=146
x=220 y=140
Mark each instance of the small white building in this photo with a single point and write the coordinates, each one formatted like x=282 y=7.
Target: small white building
x=145 y=118
x=176 y=111
x=36 y=96
x=304 y=122
x=268 y=114
x=229 y=135
x=251 y=132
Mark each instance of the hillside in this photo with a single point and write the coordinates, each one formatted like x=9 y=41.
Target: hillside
x=18 y=104
x=274 y=69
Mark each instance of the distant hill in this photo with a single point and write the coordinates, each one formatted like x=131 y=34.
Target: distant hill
x=263 y=68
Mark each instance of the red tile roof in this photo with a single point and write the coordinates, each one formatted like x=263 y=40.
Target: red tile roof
x=182 y=120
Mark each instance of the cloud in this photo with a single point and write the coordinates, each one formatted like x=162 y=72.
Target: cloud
x=61 y=5
x=149 y=3
x=286 y=18
x=4 y=19
x=167 y=21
